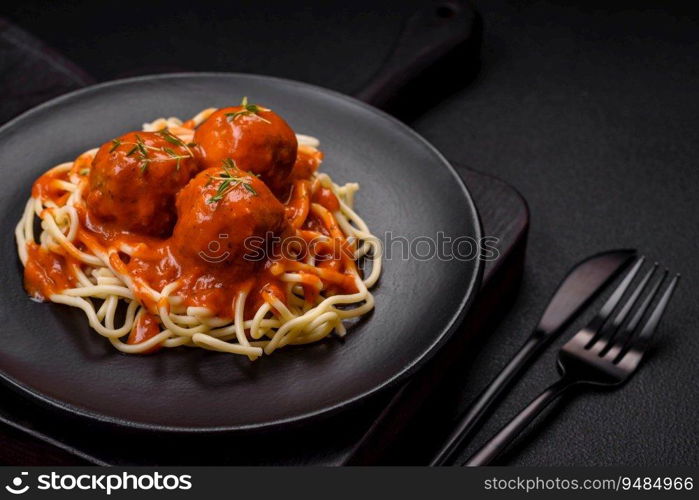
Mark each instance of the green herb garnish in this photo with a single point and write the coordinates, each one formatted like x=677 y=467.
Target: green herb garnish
x=228 y=181
x=115 y=144
x=143 y=153
x=174 y=156
x=248 y=109
x=167 y=135
x=173 y=139
x=143 y=149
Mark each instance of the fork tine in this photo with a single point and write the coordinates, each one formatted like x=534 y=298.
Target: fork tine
x=632 y=353
x=601 y=317
x=644 y=305
x=620 y=345
x=654 y=319
x=610 y=329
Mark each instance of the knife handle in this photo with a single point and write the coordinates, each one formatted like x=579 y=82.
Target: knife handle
x=498 y=443
x=473 y=417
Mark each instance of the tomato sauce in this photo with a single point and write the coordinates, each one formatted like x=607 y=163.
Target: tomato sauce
x=166 y=211
x=47 y=273
x=145 y=328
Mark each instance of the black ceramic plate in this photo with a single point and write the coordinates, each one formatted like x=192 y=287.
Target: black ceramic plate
x=407 y=188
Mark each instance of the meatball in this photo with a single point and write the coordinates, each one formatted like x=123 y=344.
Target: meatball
x=257 y=139
x=134 y=180
x=225 y=216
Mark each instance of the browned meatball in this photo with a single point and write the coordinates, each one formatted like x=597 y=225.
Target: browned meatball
x=217 y=211
x=134 y=180
x=257 y=139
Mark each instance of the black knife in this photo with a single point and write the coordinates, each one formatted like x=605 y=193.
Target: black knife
x=577 y=289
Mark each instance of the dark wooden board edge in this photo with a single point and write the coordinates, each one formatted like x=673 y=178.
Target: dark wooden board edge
x=29 y=435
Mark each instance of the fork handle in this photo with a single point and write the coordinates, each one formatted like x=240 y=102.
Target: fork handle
x=507 y=434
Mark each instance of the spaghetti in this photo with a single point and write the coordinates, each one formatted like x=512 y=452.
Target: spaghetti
x=137 y=254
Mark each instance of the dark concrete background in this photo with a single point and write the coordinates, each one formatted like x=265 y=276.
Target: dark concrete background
x=589 y=108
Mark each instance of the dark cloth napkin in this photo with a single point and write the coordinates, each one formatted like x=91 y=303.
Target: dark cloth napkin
x=31 y=72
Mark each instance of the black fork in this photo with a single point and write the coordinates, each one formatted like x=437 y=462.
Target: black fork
x=605 y=353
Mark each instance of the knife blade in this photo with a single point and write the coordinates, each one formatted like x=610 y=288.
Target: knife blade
x=578 y=288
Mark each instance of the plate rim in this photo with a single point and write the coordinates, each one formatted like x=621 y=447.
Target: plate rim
x=467 y=299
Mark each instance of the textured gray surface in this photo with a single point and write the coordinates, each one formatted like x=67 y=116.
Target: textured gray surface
x=590 y=111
